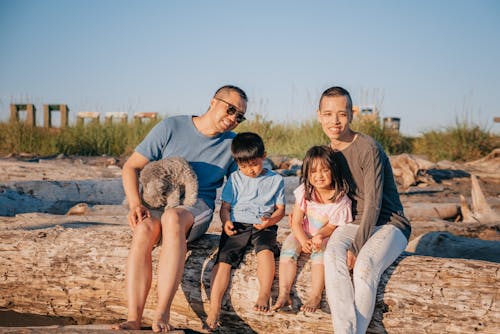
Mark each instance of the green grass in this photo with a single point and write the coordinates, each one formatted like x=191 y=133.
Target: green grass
x=464 y=141
x=88 y=140
x=392 y=141
x=291 y=140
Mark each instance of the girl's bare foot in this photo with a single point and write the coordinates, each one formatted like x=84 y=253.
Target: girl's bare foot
x=312 y=304
x=130 y=325
x=281 y=303
x=262 y=304
x=161 y=326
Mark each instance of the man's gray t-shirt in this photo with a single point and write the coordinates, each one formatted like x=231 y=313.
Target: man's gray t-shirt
x=253 y=197
x=210 y=157
x=375 y=199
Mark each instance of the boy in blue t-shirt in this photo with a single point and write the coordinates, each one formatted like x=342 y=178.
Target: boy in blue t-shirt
x=253 y=202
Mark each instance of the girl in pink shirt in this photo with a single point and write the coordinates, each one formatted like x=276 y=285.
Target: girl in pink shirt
x=321 y=204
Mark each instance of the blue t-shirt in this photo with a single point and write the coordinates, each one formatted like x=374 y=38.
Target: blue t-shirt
x=253 y=197
x=210 y=157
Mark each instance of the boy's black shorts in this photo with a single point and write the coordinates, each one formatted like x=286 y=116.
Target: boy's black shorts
x=232 y=248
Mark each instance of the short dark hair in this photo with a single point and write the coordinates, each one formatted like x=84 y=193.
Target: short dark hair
x=333 y=161
x=235 y=89
x=337 y=91
x=247 y=146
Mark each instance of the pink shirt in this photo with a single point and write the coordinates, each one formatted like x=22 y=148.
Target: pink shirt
x=319 y=214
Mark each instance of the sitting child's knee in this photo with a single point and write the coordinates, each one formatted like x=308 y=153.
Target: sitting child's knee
x=265 y=252
x=287 y=259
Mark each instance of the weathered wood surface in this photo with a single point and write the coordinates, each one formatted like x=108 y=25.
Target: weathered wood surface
x=57 y=196
x=448 y=245
x=74 y=329
x=484 y=231
x=480 y=210
x=76 y=269
x=428 y=210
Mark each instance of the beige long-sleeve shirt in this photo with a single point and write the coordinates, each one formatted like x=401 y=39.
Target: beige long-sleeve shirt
x=375 y=196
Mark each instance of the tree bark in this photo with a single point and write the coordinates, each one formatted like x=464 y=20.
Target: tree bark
x=446 y=244
x=428 y=210
x=484 y=231
x=77 y=269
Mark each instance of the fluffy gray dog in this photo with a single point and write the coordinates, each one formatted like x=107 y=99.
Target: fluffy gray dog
x=168 y=183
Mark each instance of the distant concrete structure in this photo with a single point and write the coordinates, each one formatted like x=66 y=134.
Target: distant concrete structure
x=111 y=116
x=30 y=109
x=392 y=123
x=47 y=114
x=365 y=112
x=140 y=116
x=92 y=116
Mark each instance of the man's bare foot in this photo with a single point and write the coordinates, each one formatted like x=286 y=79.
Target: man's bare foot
x=312 y=304
x=282 y=302
x=161 y=326
x=130 y=325
x=262 y=304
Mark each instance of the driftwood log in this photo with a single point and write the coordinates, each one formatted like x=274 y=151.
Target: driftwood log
x=477 y=221
x=448 y=245
x=74 y=266
x=480 y=210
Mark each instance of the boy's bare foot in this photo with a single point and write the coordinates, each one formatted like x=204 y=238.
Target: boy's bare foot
x=130 y=325
x=262 y=304
x=212 y=322
x=281 y=303
x=161 y=326
x=312 y=304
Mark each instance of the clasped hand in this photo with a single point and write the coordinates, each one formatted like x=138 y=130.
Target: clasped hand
x=230 y=230
x=312 y=244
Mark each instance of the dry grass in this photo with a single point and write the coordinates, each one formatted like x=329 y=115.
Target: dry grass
x=463 y=142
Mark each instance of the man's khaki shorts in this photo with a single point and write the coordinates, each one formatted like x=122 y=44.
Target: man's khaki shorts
x=202 y=218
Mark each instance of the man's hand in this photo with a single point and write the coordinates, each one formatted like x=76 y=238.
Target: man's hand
x=351 y=260
x=137 y=214
x=229 y=228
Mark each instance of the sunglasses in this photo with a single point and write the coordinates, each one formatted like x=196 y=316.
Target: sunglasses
x=231 y=110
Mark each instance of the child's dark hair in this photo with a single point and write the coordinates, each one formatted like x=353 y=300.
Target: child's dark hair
x=247 y=146
x=331 y=159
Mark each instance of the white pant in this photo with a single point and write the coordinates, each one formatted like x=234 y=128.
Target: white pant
x=352 y=302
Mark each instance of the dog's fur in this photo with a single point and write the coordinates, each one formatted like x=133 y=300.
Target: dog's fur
x=168 y=183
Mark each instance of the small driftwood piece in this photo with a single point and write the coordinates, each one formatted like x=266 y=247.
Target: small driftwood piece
x=406 y=168
x=479 y=221
x=427 y=210
x=480 y=210
x=77 y=270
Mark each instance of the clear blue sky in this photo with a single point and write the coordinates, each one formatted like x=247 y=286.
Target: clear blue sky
x=429 y=62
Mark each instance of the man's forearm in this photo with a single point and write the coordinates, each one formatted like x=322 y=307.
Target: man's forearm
x=131 y=186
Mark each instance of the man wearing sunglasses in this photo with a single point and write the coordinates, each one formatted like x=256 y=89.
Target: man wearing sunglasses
x=205 y=142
